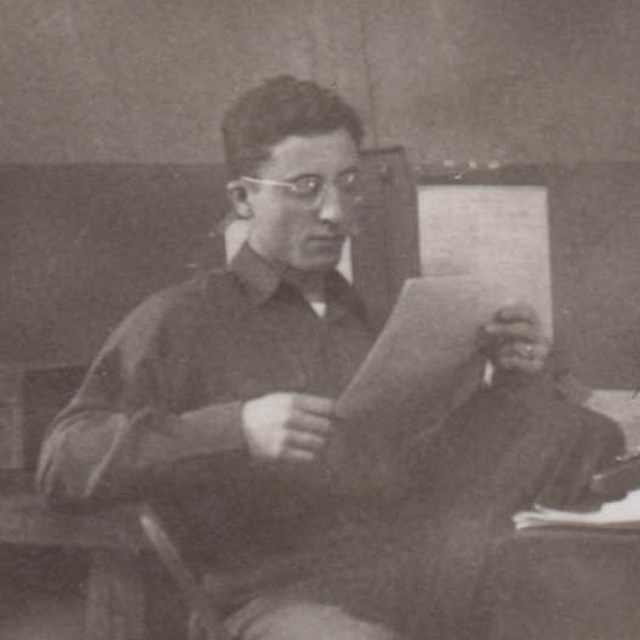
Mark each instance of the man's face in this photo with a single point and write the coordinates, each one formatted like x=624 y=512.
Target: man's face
x=305 y=233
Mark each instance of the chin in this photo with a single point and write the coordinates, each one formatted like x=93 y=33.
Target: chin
x=321 y=257
x=318 y=264
x=319 y=267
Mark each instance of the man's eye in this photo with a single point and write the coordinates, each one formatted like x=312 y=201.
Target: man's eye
x=350 y=181
x=306 y=186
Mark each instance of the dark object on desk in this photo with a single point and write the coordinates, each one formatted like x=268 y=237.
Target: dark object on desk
x=619 y=478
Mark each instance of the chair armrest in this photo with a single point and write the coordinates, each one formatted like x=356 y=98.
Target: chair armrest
x=25 y=519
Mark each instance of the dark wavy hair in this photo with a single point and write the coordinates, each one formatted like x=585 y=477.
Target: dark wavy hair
x=280 y=107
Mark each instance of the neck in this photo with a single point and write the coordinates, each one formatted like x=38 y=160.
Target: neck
x=309 y=283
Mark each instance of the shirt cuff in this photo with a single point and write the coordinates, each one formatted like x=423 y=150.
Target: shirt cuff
x=213 y=428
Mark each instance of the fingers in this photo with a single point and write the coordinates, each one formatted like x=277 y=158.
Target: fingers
x=523 y=356
x=503 y=331
x=513 y=339
x=313 y=404
x=302 y=421
x=519 y=364
x=297 y=455
x=287 y=426
x=300 y=446
x=305 y=441
x=306 y=434
x=519 y=312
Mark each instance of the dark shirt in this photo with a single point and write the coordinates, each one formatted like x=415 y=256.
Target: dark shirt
x=158 y=416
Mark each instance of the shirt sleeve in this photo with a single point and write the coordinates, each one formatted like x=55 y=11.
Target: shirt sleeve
x=121 y=437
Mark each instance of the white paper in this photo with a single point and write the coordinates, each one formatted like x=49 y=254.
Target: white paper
x=481 y=248
x=623 y=514
x=493 y=240
x=408 y=364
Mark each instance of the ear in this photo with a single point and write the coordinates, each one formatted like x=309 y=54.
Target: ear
x=237 y=194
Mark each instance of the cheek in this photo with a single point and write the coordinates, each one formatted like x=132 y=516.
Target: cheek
x=284 y=226
x=294 y=232
x=283 y=230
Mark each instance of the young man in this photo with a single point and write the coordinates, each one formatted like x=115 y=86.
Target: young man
x=214 y=400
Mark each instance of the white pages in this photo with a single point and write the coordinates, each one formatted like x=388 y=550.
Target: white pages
x=622 y=514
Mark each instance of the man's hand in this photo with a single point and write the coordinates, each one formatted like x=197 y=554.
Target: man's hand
x=287 y=426
x=513 y=340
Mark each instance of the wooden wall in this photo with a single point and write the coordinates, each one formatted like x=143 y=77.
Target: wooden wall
x=147 y=81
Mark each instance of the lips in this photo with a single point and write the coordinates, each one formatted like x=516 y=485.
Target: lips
x=329 y=240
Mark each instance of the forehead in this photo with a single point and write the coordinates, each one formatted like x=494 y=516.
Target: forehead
x=325 y=154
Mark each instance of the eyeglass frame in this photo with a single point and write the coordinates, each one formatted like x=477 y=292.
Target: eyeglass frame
x=317 y=199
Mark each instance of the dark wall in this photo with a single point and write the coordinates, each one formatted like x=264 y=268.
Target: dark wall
x=595 y=241
x=85 y=243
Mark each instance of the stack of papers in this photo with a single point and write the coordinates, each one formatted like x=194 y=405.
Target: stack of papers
x=622 y=514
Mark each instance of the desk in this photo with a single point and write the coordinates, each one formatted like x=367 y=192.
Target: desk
x=112 y=539
x=566 y=585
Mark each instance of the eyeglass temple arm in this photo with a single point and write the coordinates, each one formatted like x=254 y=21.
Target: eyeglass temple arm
x=275 y=183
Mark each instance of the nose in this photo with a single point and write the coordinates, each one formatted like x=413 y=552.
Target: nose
x=333 y=209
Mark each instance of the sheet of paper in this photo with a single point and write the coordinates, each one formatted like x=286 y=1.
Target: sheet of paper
x=408 y=364
x=492 y=239
x=481 y=247
x=623 y=514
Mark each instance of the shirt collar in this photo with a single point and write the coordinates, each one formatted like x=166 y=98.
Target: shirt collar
x=260 y=278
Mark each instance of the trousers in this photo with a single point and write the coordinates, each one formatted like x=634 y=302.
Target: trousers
x=270 y=619
x=420 y=572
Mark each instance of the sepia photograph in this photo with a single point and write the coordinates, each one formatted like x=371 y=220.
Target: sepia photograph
x=320 y=320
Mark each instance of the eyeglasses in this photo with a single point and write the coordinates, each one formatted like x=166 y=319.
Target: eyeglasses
x=311 y=190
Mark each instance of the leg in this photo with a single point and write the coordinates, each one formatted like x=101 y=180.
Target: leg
x=508 y=447
x=515 y=444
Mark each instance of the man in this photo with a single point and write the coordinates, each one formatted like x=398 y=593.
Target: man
x=214 y=400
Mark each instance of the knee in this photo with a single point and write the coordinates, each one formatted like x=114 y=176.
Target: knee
x=264 y=619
